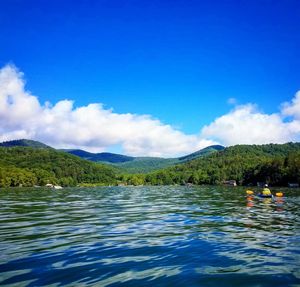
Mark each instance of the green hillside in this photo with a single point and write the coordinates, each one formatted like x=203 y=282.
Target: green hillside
x=24 y=142
x=130 y=164
x=277 y=164
x=247 y=164
x=146 y=164
x=121 y=163
x=149 y=164
x=105 y=157
x=29 y=166
x=202 y=152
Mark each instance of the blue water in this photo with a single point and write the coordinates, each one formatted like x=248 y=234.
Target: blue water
x=148 y=236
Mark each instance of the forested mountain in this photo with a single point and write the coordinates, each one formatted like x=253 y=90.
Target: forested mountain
x=29 y=166
x=127 y=164
x=202 y=152
x=146 y=164
x=24 y=142
x=277 y=164
x=106 y=157
x=142 y=164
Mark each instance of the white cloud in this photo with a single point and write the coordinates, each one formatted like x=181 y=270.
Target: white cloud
x=90 y=127
x=247 y=125
x=95 y=128
x=292 y=109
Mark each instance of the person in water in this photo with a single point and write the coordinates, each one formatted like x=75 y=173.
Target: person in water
x=266 y=191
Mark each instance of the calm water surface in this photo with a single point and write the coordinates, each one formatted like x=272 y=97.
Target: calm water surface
x=148 y=236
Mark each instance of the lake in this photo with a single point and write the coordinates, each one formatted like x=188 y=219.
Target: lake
x=148 y=236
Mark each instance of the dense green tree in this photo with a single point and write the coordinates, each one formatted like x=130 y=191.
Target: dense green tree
x=247 y=164
x=26 y=166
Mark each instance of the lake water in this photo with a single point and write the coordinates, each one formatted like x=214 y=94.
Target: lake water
x=148 y=236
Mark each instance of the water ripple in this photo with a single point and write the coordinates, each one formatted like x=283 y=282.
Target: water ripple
x=145 y=236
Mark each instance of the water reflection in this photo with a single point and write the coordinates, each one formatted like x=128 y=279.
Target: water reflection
x=279 y=203
x=267 y=203
x=165 y=236
x=250 y=201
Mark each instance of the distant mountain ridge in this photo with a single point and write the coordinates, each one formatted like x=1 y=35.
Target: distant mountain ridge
x=25 y=143
x=103 y=156
x=126 y=163
x=201 y=152
x=29 y=166
x=276 y=164
x=142 y=164
x=119 y=158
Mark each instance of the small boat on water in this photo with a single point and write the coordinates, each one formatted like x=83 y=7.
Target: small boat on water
x=265 y=196
x=260 y=195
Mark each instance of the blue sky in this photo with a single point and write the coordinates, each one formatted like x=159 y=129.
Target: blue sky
x=178 y=61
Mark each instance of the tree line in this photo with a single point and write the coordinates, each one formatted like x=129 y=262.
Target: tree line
x=247 y=164
x=26 y=166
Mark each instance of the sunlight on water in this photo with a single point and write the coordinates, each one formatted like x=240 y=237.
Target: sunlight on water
x=148 y=236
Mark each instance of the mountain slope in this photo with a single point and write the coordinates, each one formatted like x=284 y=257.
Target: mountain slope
x=126 y=164
x=24 y=143
x=146 y=164
x=277 y=164
x=205 y=151
x=29 y=166
x=142 y=164
x=104 y=156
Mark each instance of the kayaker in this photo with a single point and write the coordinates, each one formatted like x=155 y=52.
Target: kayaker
x=266 y=191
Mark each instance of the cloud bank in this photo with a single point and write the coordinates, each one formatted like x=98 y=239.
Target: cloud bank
x=90 y=127
x=96 y=128
x=247 y=125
